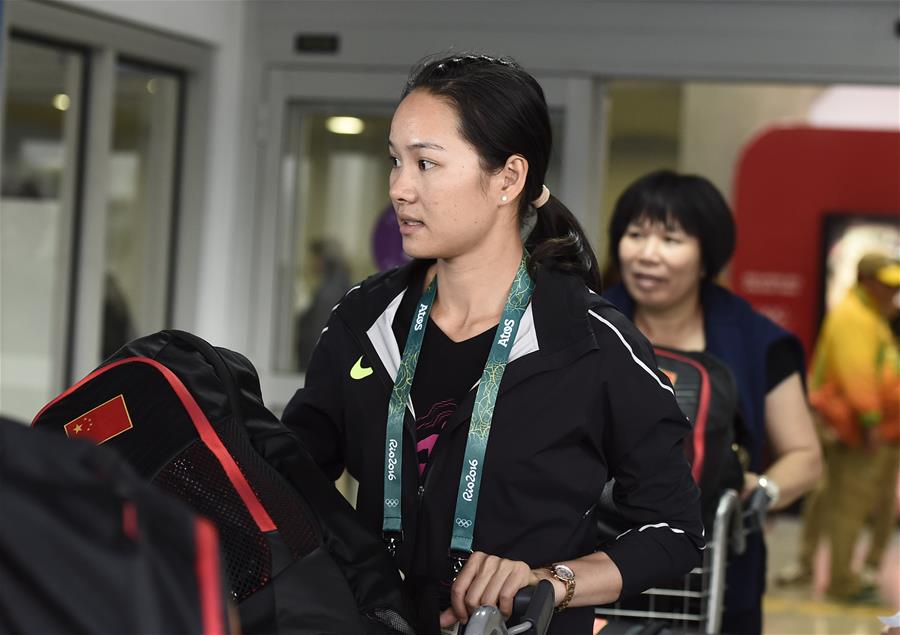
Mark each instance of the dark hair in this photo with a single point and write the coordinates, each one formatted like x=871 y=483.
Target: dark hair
x=502 y=111
x=692 y=201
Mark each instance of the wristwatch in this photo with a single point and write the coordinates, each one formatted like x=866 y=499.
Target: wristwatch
x=565 y=575
x=771 y=487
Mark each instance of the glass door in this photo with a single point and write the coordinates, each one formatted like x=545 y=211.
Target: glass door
x=338 y=217
x=141 y=203
x=95 y=116
x=85 y=223
x=41 y=157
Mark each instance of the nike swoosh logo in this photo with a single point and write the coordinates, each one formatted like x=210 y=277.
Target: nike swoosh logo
x=358 y=372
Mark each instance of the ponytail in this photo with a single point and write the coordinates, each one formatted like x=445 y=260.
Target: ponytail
x=558 y=242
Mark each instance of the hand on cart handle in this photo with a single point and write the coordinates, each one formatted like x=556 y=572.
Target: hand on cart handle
x=486 y=580
x=532 y=612
x=756 y=507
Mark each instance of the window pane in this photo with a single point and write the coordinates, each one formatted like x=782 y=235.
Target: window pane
x=140 y=208
x=339 y=223
x=40 y=154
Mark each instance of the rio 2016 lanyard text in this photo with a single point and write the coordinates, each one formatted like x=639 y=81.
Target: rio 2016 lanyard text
x=482 y=413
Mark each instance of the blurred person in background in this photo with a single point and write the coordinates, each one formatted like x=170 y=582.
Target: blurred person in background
x=329 y=267
x=855 y=389
x=670 y=235
x=118 y=327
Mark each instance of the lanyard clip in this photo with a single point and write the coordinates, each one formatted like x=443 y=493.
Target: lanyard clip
x=458 y=560
x=392 y=540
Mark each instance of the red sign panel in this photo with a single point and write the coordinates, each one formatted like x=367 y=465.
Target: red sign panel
x=788 y=181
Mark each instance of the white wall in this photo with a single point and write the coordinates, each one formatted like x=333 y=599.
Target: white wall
x=733 y=40
x=860 y=107
x=226 y=239
x=211 y=21
x=719 y=120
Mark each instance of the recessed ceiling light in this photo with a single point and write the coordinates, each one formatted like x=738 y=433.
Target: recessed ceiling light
x=345 y=125
x=61 y=101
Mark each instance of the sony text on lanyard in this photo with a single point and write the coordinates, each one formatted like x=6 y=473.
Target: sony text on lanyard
x=479 y=426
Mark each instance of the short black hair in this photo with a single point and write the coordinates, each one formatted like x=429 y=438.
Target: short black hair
x=692 y=201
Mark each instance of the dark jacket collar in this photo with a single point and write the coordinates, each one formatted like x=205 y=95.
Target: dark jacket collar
x=717 y=304
x=556 y=323
x=554 y=331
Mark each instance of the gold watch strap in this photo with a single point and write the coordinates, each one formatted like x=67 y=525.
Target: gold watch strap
x=570 y=589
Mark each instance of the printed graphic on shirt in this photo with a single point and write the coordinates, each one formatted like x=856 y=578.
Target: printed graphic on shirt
x=446 y=372
x=428 y=428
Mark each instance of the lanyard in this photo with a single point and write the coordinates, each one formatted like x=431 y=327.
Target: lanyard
x=479 y=426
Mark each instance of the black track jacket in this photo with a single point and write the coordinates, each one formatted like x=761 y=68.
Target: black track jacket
x=581 y=402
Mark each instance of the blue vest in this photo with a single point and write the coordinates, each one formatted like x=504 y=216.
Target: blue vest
x=740 y=337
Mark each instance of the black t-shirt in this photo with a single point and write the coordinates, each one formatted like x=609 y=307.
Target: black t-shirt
x=445 y=373
x=782 y=360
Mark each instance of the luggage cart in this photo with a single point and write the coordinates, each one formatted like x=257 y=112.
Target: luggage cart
x=695 y=605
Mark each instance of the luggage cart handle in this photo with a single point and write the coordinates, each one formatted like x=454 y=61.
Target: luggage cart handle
x=533 y=604
x=727 y=527
x=755 y=510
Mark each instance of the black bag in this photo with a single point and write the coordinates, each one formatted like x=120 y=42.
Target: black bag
x=190 y=418
x=707 y=394
x=88 y=547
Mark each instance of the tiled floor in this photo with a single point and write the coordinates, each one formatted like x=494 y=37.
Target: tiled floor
x=804 y=610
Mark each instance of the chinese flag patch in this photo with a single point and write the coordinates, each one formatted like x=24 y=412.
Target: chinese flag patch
x=101 y=424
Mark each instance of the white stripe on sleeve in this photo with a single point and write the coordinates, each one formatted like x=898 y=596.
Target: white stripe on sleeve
x=657 y=526
x=631 y=351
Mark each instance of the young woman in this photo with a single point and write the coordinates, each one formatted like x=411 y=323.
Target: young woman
x=670 y=236
x=483 y=394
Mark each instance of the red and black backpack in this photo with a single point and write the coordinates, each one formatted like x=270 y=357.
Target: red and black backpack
x=189 y=418
x=707 y=394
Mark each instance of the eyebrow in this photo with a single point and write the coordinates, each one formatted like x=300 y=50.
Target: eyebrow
x=421 y=145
